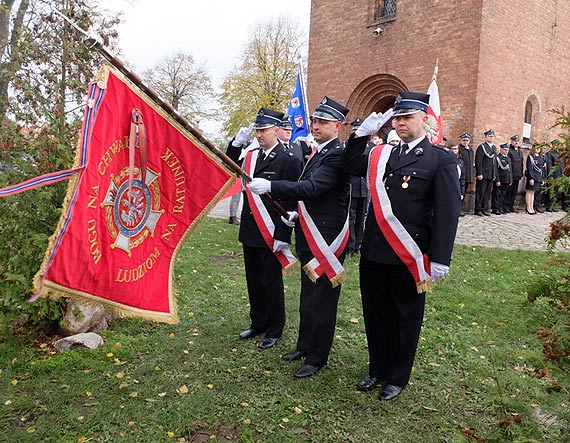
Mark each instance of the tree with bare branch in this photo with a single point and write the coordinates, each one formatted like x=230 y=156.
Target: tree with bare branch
x=266 y=75
x=183 y=83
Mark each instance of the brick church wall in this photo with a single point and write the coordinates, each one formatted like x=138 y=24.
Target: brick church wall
x=492 y=57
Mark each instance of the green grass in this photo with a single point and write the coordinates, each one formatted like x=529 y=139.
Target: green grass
x=196 y=381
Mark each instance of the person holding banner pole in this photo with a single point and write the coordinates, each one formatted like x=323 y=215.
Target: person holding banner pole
x=234 y=151
x=265 y=237
x=408 y=237
x=321 y=234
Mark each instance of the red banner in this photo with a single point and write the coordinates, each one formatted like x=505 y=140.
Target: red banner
x=118 y=239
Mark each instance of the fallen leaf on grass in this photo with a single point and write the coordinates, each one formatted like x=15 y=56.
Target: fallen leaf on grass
x=116 y=347
x=247 y=421
x=244 y=404
x=354 y=320
x=182 y=389
x=134 y=394
x=297 y=410
x=210 y=386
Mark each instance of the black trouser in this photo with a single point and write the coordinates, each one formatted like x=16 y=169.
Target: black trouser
x=512 y=195
x=265 y=289
x=318 y=307
x=498 y=200
x=393 y=315
x=482 y=194
x=357 y=213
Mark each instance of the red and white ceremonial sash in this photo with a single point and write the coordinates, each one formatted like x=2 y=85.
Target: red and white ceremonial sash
x=263 y=219
x=394 y=232
x=325 y=259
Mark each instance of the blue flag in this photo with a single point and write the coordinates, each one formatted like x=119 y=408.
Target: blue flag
x=296 y=111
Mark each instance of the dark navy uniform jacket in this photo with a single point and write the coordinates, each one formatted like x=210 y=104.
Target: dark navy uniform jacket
x=428 y=207
x=324 y=189
x=281 y=164
x=485 y=161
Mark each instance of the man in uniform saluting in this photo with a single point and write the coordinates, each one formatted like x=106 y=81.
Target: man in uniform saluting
x=321 y=235
x=408 y=238
x=264 y=236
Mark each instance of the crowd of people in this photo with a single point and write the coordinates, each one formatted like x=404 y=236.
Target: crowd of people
x=401 y=217
x=497 y=174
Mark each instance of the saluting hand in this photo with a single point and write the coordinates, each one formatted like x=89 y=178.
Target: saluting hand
x=242 y=136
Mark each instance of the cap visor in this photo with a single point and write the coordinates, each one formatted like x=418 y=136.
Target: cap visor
x=324 y=116
x=263 y=125
x=406 y=111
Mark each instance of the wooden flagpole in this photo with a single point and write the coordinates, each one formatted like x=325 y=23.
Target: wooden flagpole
x=93 y=42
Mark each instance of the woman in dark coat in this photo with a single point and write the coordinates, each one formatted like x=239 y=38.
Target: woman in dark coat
x=535 y=168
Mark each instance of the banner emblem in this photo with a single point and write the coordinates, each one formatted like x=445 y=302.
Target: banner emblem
x=132 y=217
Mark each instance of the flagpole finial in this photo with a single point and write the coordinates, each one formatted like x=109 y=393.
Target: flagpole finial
x=435 y=70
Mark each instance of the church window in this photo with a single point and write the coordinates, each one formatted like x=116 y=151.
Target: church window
x=385 y=10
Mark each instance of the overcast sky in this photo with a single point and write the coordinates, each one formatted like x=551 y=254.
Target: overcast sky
x=213 y=31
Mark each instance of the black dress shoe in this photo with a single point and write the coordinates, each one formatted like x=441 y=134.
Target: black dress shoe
x=367 y=383
x=249 y=333
x=540 y=211
x=485 y=213
x=295 y=355
x=306 y=371
x=267 y=343
x=479 y=213
x=389 y=392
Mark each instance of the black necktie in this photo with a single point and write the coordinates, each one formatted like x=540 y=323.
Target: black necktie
x=403 y=150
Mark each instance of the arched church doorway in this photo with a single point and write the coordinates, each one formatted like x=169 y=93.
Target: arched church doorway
x=374 y=94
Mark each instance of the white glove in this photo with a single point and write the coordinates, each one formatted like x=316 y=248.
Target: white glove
x=242 y=136
x=438 y=271
x=373 y=123
x=259 y=186
x=290 y=221
x=279 y=245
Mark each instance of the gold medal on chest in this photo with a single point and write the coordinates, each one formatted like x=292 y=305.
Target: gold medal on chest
x=404 y=185
x=406 y=180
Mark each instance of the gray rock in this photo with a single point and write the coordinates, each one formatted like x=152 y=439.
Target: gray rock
x=81 y=317
x=85 y=340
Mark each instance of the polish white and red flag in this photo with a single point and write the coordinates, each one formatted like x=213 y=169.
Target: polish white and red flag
x=435 y=129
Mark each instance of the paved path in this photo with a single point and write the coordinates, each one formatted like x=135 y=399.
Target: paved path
x=510 y=231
